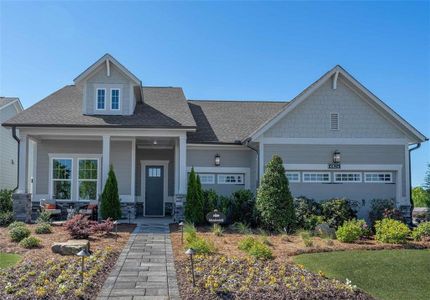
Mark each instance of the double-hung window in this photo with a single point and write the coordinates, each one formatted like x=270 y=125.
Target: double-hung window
x=87 y=179
x=316 y=177
x=62 y=179
x=115 y=101
x=101 y=99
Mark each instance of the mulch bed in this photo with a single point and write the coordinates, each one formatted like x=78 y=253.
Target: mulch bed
x=217 y=279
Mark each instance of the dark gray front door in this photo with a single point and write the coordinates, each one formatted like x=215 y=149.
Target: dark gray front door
x=154 y=189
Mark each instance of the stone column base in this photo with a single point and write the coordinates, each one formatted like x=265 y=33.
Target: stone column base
x=22 y=207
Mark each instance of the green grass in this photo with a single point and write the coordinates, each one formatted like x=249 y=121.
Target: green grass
x=8 y=259
x=385 y=274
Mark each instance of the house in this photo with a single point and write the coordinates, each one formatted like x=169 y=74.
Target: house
x=336 y=138
x=9 y=107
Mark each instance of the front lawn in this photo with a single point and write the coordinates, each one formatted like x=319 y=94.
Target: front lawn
x=8 y=259
x=385 y=274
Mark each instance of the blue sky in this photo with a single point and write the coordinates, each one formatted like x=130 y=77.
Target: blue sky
x=225 y=50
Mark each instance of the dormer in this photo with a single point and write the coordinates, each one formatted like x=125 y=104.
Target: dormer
x=109 y=88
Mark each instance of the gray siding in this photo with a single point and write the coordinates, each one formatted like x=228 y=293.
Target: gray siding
x=158 y=154
x=120 y=158
x=357 y=119
x=8 y=151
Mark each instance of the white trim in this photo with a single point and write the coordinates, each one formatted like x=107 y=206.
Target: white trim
x=236 y=175
x=407 y=175
x=165 y=164
x=226 y=170
x=349 y=167
x=293 y=173
x=51 y=180
x=106 y=145
x=119 y=99
x=335 y=141
x=217 y=147
x=176 y=167
x=23 y=163
x=97 y=180
x=182 y=164
x=97 y=99
x=316 y=181
x=14 y=102
x=154 y=147
x=133 y=170
x=336 y=75
x=347 y=181
x=378 y=181
x=207 y=175
x=107 y=67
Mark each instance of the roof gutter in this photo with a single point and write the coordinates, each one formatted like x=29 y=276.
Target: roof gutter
x=19 y=143
x=258 y=158
x=418 y=145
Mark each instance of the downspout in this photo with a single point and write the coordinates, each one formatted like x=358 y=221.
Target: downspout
x=410 y=177
x=18 y=142
x=258 y=159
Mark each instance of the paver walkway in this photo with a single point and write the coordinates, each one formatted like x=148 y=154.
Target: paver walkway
x=145 y=267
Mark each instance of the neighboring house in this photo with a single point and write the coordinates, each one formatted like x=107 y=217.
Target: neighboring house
x=9 y=107
x=153 y=136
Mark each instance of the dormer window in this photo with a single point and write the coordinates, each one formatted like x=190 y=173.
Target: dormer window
x=115 y=100
x=101 y=99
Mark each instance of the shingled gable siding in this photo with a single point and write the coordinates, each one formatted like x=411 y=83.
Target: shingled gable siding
x=311 y=118
x=116 y=80
x=8 y=151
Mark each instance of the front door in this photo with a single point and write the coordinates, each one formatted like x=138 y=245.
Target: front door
x=154 y=190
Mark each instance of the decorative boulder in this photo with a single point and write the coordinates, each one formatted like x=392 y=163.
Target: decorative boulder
x=71 y=247
x=324 y=230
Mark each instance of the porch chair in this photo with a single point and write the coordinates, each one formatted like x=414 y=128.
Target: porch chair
x=50 y=206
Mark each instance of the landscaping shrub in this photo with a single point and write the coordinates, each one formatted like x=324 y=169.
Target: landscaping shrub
x=391 y=231
x=224 y=206
x=351 y=230
x=6 y=218
x=201 y=246
x=421 y=197
x=6 y=200
x=255 y=248
x=336 y=211
x=308 y=213
x=110 y=206
x=43 y=228
x=80 y=227
x=210 y=201
x=44 y=217
x=246 y=243
x=306 y=238
x=190 y=232
x=274 y=202
x=16 y=224
x=242 y=228
x=104 y=227
x=422 y=232
x=194 y=210
x=30 y=242
x=19 y=233
x=242 y=206
x=378 y=207
x=217 y=230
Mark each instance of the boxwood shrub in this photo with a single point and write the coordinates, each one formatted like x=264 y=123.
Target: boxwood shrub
x=19 y=233
x=422 y=231
x=351 y=231
x=255 y=248
x=30 y=242
x=43 y=228
x=391 y=231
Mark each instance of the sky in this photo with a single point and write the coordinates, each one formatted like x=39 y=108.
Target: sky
x=225 y=50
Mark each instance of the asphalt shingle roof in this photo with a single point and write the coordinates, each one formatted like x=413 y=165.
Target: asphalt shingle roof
x=229 y=121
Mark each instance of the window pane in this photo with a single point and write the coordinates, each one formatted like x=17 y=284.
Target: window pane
x=101 y=99
x=88 y=190
x=88 y=169
x=115 y=99
x=62 y=169
x=61 y=190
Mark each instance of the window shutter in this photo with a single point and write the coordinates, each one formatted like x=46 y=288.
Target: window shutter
x=334 y=121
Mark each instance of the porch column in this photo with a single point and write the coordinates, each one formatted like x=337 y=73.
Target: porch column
x=261 y=160
x=176 y=166
x=106 y=159
x=133 y=170
x=182 y=164
x=23 y=164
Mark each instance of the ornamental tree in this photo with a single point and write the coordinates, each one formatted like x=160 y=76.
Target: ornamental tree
x=110 y=206
x=274 y=202
x=194 y=212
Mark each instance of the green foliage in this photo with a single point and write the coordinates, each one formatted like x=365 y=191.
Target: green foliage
x=16 y=224
x=422 y=231
x=420 y=197
x=44 y=217
x=210 y=201
x=336 y=211
x=391 y=231
x=202 y=246
x=194 y=211
x=43 y=228
x=255 y=248
x=351 y=230
x=19 y=233
x=426 y=184
x=110 y=206
x=378 y=208
x=306 y=238
x=6 y=200
x=224 y=206
x=242 y=228
x=217 y=230
x=274 y=202
x=30 y=242
x=190 y=232
x=242 y=206
x=6 y=218
x=308 y=213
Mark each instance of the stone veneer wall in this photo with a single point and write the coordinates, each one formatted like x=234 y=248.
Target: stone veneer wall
x=22 y=207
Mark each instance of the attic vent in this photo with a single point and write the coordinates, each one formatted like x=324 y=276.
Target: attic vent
x=334 y=121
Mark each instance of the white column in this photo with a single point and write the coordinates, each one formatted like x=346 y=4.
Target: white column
x=176 y=166
x=106 y=159
x=261 y=160
x=23 y=164
x=182 y=164
x=133 y=169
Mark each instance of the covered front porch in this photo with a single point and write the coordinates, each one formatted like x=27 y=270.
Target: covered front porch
x=69 y=167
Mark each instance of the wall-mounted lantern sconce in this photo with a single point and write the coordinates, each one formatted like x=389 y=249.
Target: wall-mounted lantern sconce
x=336 y=156
x=217 y=160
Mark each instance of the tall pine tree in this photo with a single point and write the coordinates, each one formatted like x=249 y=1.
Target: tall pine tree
x=110 y=206
x=194 y=206
x=274 y=202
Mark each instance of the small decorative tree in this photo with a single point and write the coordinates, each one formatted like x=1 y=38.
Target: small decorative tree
x=194 y=206
x=110 y=206
x=274 y=202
